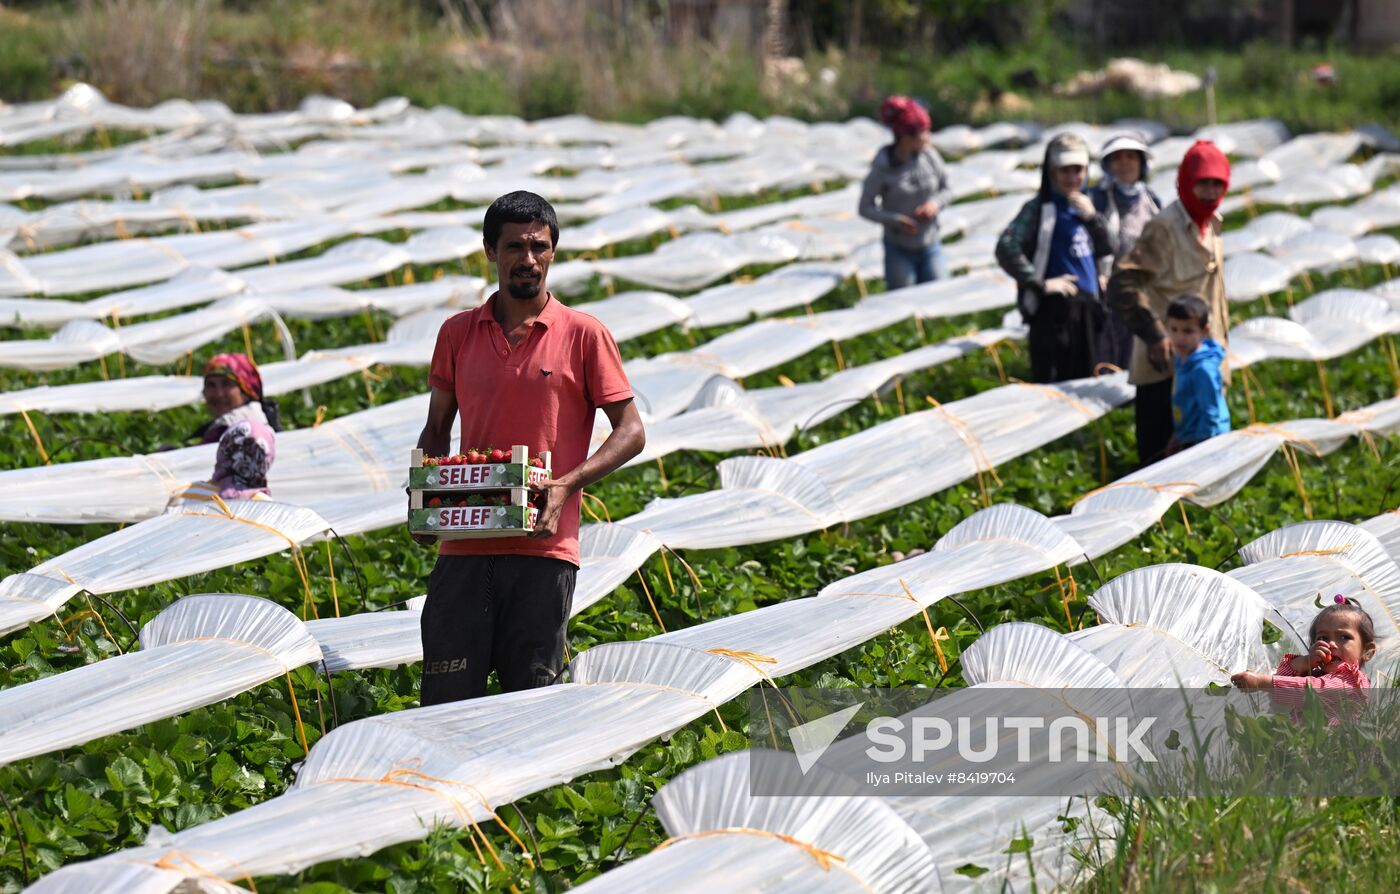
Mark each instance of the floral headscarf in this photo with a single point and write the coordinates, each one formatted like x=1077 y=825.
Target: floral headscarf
x=904 y=116
x=239 y=368
x=245 y=455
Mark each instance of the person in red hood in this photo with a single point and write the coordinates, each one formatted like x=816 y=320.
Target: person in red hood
x=1202 y=181
x=1180 y=252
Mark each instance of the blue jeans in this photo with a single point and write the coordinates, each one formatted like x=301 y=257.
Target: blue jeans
x=906 y=266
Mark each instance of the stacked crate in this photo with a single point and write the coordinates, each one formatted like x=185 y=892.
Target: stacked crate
x=439 y=496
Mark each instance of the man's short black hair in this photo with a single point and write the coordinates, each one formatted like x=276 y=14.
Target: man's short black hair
x=519 y=207
x=1189 y=307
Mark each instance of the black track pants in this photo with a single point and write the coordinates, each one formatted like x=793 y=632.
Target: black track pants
x=1153 y=409
x=508 y=613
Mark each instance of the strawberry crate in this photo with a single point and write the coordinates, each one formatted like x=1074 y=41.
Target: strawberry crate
x=458 y=498
x=515 y=471
x=466 y=522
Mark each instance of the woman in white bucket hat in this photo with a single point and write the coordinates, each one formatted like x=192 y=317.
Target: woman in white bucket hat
x=1126 y=205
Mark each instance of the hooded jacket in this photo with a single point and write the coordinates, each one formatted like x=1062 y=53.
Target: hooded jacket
x=1172 y=257
x=1203 y=161
x=1198 y=395
x=1023 y=250
x=1106 y=202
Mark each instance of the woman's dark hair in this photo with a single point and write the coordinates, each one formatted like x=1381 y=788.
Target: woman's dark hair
x=1351 y=607
x=519 y=207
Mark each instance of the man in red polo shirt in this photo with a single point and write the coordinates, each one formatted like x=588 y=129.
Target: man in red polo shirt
x=521 y=369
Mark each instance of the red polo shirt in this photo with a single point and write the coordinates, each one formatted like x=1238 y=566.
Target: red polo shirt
x=543 y=393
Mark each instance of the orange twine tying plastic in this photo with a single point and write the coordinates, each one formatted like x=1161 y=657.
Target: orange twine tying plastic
x=1262 y=428
x=393 y=777
x=1331 y=551
x=752 y=659
x=169 y=858
x=825 y=859
x=981 y=461
x=654 y=613
x=1176 y=488
x=935 y=637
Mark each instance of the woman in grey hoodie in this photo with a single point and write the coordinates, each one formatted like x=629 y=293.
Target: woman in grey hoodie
x=905 y=190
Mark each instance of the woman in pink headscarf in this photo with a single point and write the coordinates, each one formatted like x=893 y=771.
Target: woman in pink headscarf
x=905 y=190
x=243 y=425
x=233 y=391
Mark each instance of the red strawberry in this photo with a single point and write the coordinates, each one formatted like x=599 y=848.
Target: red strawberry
x=537 y=463
x=498 y=455
x=435 y=502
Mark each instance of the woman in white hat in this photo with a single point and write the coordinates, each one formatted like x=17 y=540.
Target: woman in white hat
x=1126 y=205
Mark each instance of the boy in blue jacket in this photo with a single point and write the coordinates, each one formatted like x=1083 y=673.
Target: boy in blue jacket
x=1198 y=395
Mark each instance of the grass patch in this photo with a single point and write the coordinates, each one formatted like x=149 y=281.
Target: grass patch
x=259 y=56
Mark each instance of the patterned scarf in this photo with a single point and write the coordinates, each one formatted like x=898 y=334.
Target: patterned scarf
x=245 y=455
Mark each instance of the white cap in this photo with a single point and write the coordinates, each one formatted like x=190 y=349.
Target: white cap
x=1122 y=141
x=1068 y=149
x=1070 y=158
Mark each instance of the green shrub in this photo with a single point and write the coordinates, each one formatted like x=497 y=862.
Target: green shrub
x=25 y=74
